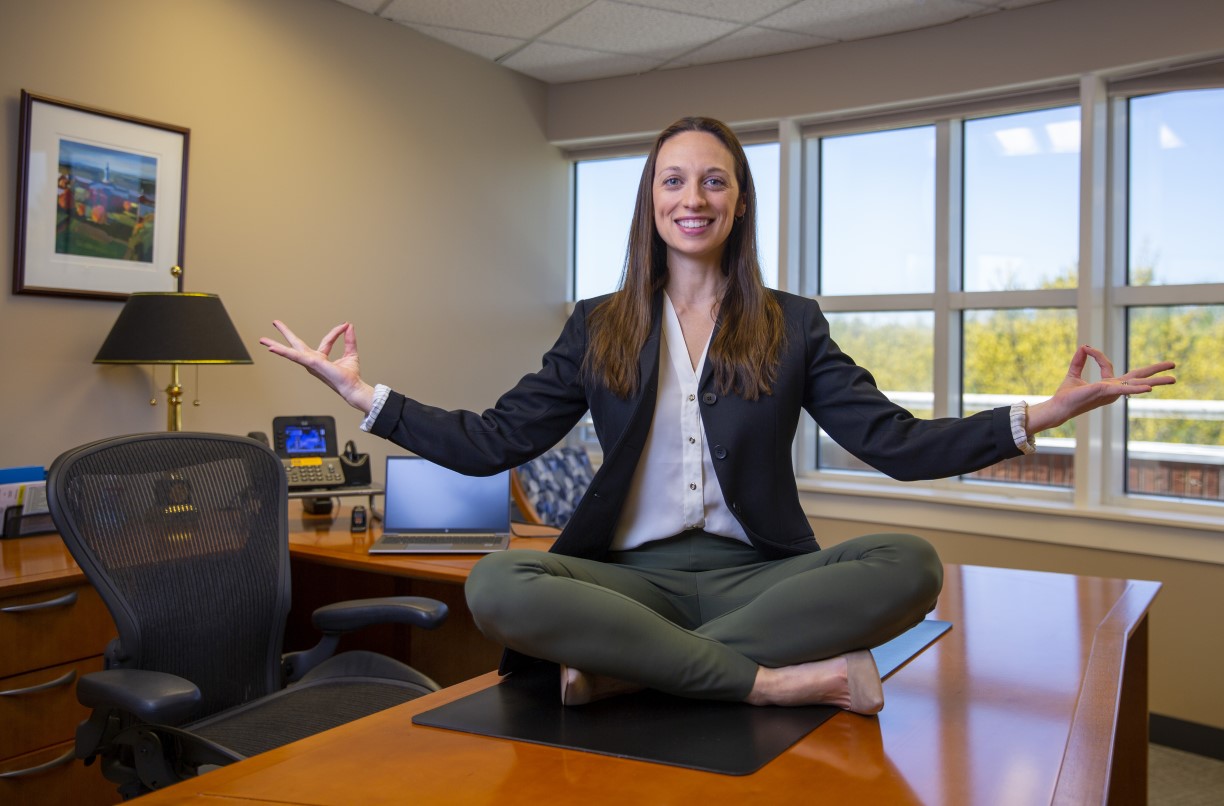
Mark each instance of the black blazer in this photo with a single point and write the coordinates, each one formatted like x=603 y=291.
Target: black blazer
x=749 y=440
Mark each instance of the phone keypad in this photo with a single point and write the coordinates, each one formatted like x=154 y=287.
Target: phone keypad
x=314 y=472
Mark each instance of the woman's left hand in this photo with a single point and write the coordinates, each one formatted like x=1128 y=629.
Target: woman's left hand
x=1075 y=395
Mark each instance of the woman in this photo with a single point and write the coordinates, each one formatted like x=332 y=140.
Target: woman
x=689 y=566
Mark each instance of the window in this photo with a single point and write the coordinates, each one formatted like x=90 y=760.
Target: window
x=605 y=191
x=962 y=251
x=947 y=254
x=870 y=184
x=1175 y=441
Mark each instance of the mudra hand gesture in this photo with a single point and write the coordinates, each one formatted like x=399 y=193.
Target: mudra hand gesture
x=342 y=375
x=1075 y=395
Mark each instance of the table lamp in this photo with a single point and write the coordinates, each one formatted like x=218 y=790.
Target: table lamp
x=173 y=328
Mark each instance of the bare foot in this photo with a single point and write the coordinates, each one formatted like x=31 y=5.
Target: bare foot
x=580 y=688
x=849 y=681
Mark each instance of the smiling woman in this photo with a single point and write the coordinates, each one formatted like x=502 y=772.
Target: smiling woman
x=690 y=545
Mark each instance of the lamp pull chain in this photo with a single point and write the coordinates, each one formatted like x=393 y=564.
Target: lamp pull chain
x=196 y=401
x=153 y=379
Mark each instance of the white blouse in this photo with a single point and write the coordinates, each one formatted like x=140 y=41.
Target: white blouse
x=674 y=488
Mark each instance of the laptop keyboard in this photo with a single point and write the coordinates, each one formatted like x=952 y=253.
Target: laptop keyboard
x=434 y=539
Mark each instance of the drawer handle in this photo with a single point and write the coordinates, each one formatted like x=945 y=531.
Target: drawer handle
x=58 y=682
x=62 y=761
x=63 y=601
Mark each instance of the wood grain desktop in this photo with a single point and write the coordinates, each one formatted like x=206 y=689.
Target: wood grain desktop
x=1037 y=695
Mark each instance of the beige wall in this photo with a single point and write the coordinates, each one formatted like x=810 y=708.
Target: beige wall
x=1038 y=43
x=341 y=167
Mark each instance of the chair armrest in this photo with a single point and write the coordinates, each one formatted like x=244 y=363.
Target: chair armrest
x=353 y=615
x=155 y=697
x=341 y=617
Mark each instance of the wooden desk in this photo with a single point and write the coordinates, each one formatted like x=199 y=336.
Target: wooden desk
x=53 y=628
x=1037 y=695
x=331 y=564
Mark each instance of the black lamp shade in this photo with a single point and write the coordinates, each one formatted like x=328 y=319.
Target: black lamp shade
x=173 y=328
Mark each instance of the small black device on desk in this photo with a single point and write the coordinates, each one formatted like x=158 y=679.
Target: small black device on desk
x=308 y=447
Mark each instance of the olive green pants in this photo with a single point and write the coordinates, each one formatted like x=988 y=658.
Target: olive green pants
x=696 y=614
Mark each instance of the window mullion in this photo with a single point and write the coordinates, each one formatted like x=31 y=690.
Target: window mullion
x=1091 y=451
x=948 y=239
x=790 y=213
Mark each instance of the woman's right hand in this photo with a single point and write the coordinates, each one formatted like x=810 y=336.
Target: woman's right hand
x=343 y=375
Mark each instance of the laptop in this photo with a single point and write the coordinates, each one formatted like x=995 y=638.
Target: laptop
x=432 y=510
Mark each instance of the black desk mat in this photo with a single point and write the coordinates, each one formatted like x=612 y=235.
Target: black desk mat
x=722 y=737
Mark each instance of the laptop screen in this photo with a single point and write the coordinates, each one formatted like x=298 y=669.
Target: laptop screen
x=424 y=497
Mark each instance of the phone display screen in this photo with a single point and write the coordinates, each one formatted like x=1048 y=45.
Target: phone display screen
x=302 y=440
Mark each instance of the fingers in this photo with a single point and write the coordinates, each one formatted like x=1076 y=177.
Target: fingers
x=296 y=348
x=1076 y=369
x=329 y=341
x=1102 y=360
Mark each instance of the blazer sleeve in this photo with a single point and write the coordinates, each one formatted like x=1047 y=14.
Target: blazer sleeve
x=526 y=421
x=844 y=400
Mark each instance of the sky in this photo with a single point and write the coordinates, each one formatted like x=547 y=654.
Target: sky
x=1021 y=188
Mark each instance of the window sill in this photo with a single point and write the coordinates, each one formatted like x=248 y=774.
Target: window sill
x=1031 y=514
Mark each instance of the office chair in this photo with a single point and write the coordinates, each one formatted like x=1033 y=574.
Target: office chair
x=547 y=489
x=185 y=537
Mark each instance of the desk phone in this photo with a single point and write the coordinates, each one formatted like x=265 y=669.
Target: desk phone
x=308 y=448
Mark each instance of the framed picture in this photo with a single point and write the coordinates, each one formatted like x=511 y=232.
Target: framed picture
x=101 y=201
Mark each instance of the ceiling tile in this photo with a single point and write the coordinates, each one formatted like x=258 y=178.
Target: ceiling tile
x=513 y=18
x=485 y=45
x=733 y=10
x=856 y=19
x=557 y=63
x=747 y=43
x=635 y=30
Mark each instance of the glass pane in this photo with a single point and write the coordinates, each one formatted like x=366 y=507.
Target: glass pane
x=1175 y=435
x=898 y=349
x=764 y=161
x=1015 y=355
x=877 y=202
x=1176 y=172
x=1022 y=201
x=604 y=195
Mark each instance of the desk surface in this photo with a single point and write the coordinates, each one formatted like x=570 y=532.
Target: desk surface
x=326 y=540
x=1020 y=703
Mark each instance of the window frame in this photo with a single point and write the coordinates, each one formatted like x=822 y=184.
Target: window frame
x=1096 y=512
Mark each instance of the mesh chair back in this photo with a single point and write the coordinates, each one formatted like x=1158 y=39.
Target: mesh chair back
x=185 y=536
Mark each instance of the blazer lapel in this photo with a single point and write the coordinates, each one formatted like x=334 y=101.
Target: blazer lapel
x=590 y=528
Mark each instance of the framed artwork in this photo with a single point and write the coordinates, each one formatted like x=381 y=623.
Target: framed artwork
x=101 y=201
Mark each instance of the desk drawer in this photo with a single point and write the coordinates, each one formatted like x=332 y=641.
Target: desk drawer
x=39 y=709
x=52 y=627
x=53 y=775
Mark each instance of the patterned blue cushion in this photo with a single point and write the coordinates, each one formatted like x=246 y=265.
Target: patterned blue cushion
x=555 y=481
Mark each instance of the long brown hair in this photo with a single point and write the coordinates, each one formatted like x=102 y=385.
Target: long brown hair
x=744 y=353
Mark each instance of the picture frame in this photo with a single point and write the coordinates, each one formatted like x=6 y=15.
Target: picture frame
x=101 y=202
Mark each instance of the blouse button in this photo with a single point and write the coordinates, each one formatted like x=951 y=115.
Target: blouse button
x=692 y=440
x=692 y=486
x=692 y=397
